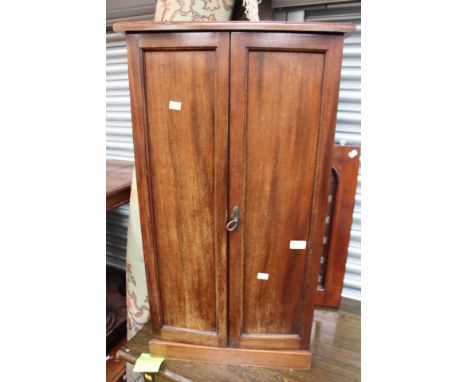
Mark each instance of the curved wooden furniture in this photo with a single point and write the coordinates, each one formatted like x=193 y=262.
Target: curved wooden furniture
x=345 y=169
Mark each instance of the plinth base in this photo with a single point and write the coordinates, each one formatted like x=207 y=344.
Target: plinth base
x=293 y=359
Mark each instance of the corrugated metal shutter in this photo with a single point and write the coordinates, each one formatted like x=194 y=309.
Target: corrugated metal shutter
x=116 y=236
x=119 y=143
x=118 y=115
x=129 y=10
x=348 y=128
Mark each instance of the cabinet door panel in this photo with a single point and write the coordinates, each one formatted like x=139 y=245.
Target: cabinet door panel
x=180 y=138
x=284 y=92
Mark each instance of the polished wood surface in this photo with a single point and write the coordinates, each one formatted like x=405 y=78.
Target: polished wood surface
x=280 y=106
x=118 y=182
x=278 y=26
x=336 y=344
x=297 y=359
x=279 y=169
x=181 y=159
x=346 y=169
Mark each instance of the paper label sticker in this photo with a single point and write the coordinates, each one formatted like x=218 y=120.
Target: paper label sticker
x=262 y=276
x=297 y=244
x=146 y=363
x=174 y=105
x=353 y=153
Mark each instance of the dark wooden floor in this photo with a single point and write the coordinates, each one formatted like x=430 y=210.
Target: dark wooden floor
x=336 y=349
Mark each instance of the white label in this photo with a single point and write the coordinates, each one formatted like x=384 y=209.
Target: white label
x=297 y=244
x=353 y=153
x=262 y=276
x=174 y=105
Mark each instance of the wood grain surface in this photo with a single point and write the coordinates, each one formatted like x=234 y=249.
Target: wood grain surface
x=279 y=138
x=346 y=169
x=336 y=346
x=297 y=359
x=278 y=26
x=118 y=182
x=181 y=148
x=280 y=96
x=181 y=158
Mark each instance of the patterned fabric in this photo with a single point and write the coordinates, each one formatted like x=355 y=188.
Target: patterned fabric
x=137 y=292
x=251 y=9
x=193 y=10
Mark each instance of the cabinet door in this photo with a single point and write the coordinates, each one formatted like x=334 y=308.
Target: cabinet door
x=284 y=94
x=179 y=91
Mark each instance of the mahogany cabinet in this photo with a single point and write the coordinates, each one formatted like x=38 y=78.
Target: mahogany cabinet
x=233 y=126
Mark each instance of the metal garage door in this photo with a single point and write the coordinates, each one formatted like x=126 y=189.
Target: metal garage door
x=119 y=143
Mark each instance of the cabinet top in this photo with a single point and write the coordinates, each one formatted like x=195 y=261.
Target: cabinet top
x=267 y=26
